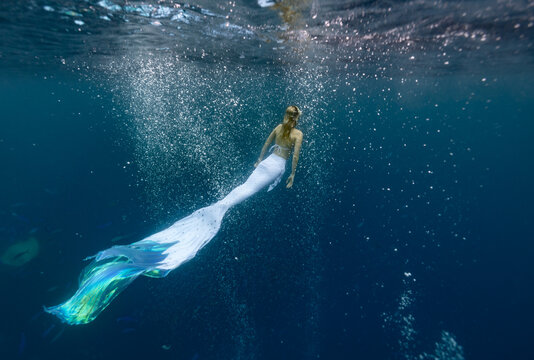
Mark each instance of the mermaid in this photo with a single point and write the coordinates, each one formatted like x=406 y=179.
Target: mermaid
x=113 y=269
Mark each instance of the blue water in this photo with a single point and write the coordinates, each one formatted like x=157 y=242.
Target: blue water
x=407 y=234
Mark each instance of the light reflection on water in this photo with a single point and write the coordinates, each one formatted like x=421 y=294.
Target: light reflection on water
x=381 y=36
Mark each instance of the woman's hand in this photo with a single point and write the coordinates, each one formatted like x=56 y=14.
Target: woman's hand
x=289 y=181
x=257 y=163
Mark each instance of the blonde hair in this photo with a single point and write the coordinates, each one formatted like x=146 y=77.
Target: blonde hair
x=290 y=120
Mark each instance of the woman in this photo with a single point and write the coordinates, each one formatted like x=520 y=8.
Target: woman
x=285 y=137
x=270 y=170
x=113 y=269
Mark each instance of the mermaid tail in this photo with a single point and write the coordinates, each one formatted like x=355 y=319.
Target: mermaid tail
x=113 y=269
x=100 y=283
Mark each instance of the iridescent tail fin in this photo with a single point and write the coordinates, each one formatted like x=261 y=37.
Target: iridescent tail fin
x=112 y=270
x=100 y=282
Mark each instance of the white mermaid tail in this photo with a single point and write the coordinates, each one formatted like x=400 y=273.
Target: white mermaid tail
x=112 y=270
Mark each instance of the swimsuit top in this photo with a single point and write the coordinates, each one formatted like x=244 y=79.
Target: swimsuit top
x=278 y=147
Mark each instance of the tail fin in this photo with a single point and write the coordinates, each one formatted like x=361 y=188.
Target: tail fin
x=112 y=270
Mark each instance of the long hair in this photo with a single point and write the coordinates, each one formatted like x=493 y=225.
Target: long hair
x=290 y=120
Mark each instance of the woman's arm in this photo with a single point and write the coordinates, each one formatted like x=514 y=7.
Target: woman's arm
x=266 y=145
x=296 y=152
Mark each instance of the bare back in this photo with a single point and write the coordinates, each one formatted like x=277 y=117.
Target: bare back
x=283 y=148
x=285 y=145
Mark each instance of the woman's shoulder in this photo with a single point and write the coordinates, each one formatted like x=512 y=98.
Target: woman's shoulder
x=278 y=129
x=296 y=133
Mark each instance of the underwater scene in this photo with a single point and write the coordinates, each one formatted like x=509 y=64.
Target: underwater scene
x=145 y=215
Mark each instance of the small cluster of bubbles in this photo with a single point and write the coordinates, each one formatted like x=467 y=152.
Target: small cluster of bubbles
x=447 y=348
x=403 y=321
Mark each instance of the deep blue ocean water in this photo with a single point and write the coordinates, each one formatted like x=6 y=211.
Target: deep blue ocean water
x=408 y=232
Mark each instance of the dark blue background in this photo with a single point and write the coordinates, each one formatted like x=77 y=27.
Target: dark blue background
x=280 y=280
